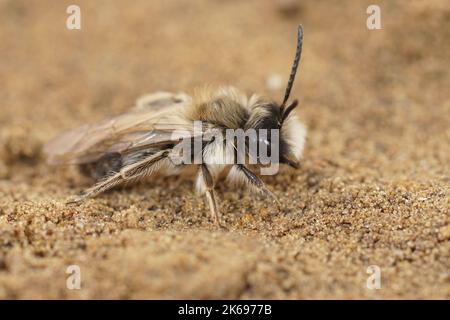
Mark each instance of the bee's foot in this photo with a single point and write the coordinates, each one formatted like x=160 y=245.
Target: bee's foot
x=75 y=200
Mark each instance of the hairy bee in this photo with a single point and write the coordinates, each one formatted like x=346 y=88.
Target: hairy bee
x=147 y=140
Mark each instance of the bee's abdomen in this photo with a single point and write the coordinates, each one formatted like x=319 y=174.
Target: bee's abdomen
x=108 y=163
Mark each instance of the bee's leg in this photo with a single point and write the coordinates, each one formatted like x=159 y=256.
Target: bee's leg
x=128 y=173
x=208 y=182
x=256 y=182
x=101 y=186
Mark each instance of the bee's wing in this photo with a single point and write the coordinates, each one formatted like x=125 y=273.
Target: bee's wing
x=160 y=100
x=152 y=122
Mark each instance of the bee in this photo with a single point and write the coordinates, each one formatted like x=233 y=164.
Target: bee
x=143 y=142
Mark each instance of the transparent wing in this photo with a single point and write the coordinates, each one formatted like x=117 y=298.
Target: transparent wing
x=152 y=122
x=160 y=100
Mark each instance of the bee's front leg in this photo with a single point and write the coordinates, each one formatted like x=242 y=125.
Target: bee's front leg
x=253 y=180
x=208 y=183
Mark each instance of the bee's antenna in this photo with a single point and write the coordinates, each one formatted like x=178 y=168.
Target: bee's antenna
x=298 y=53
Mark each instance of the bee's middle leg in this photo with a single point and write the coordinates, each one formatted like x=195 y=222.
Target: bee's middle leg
x=208 y=182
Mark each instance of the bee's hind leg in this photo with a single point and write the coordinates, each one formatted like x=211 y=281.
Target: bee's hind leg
x=208 y=184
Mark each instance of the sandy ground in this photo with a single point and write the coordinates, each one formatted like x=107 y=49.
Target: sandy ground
x=373 y=188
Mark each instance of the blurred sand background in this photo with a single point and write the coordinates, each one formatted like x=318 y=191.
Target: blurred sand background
x=373 y=188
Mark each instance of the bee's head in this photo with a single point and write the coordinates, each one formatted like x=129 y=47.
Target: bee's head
x=291 y=132
x=271 y=115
